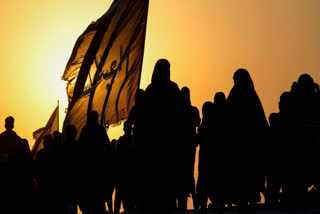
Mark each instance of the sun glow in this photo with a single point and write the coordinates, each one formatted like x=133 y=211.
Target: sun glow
x=205 y=43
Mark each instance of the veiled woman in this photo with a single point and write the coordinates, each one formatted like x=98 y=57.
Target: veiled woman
x=164 y=115
x=248 y=129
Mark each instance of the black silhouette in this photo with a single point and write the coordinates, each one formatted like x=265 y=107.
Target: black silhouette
x=25 y=177
x=10 y=141
x=220 y=140
x=163 y=133
x=190 y=122
x=69 y=169
x=126 y=163
x=151 y=166
x=301 y=151
x=46 y=176
x=138 y=122
x=281 y=127
x=249 y=131
x=204 y=132
x=10 y=150
x=94 y=145
x=213 y=182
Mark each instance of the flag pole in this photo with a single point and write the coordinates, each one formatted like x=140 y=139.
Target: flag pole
x=58 y=114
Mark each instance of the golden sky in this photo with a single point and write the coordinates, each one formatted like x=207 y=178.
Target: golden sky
x=206 y=41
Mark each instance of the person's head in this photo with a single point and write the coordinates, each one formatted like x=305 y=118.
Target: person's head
x=242 y=79
x=206 y=108
x=285 y=100
x=305 y=84
x=126 y=127
x=219 y=98
x=93 y=117
x=185 y=92
x=71 y=132
x=48 y=141
x=161 y=71
x=9 y=123
x=25 y=146
x=140 y=97
x=57 y=137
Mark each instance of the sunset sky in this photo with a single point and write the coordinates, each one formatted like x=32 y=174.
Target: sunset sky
x=206 y=41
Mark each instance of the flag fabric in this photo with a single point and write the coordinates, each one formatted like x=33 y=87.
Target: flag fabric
x=52 y=126
x=104 y=69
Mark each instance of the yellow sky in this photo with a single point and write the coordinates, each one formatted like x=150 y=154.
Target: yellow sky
x=205 y=41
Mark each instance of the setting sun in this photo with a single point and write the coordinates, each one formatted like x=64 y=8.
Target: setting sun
x=205 y=44
x=206 y=41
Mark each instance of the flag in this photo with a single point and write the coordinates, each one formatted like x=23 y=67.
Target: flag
x=104 y=69
x=52 y=126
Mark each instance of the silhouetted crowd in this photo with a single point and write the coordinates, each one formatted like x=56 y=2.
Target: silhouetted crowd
x=150 y=168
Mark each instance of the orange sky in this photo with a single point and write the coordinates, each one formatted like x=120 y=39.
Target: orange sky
x=205 y=41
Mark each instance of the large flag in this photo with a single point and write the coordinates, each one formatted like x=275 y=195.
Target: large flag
x=52 y=126
x=104 y=69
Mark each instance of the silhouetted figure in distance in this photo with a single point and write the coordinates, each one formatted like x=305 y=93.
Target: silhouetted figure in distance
x=302 y=150
x=46 y=176
x=10 y=141
x=25 y=174
x=69 y=170
x=138 y=123
x=163 y=131
x=280 y=132
x=205 y=158
x=127 y=164
x=191 y=120
x=249 y=131
x=220 y=155
x=94 y=144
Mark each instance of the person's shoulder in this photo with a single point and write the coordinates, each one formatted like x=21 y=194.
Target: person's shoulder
x=195 y=109
x=149 y=88
x=174 y=85
x=85 y=128
x=12 y=135
x=273 y=117
x=5 y=133
x=101 y=127
x=232 y=93
x=17 y=136
x=2 y=134
x=41 y=153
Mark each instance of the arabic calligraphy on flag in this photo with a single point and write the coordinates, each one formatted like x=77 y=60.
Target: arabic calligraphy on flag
x=104 y=69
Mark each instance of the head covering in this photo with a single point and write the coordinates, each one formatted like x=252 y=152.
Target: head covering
x=161 y=71
x=242 y=79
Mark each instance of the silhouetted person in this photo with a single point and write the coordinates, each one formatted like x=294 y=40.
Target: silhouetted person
x=137 y=118
x=69 y=171
x=59 y=177
x=220 y=152
x=111 y=175
x=138 y=122
x=126 y=155
x=249 y=129
x=57 y=139
x=191 y=120
x=303 y=148
x=205 y=157
x=46 y=176
x=10 y=141
x=165 y=107
x=280 y=132
x=9 y=154
x=114 y=169
x=94 y=144
x=25 y=181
